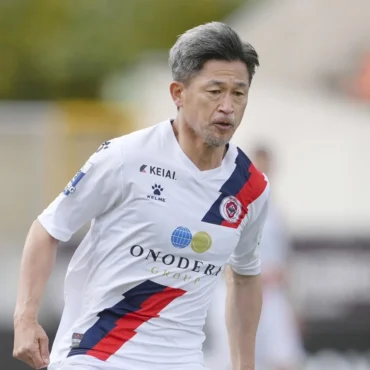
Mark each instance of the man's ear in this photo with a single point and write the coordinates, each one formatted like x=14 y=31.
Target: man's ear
x=177 y=90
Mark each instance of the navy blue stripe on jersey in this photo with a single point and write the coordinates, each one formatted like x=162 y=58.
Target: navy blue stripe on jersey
x=231 y=187
x=133 y=299
x=117 y=325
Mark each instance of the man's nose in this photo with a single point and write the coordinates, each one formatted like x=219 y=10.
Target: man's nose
x=226 y=105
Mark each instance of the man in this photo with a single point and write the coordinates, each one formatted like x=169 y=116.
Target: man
x=170 y=205
x=278 y=344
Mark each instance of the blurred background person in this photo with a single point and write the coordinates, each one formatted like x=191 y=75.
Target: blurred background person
x=278 y=344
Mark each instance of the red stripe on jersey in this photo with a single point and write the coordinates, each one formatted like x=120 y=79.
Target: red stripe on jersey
x=126 y=326
x=251 y=190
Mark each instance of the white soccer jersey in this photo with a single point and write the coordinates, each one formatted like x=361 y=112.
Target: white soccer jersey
x=138 y=287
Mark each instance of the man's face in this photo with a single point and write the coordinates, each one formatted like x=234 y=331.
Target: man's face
x=214 y=101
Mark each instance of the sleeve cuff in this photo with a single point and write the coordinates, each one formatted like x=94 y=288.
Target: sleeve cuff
x=246 y=271
x=52 y=230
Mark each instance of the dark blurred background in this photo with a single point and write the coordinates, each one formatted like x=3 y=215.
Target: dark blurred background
x=76 y=73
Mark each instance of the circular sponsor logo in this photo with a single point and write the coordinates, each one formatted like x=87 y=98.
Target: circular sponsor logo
x=230 y=209
x=181 y=237
x=201 y=242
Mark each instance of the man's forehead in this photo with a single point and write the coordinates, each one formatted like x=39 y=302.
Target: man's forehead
x=219 y=69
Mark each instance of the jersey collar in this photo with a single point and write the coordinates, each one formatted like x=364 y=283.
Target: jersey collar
x=180 y=156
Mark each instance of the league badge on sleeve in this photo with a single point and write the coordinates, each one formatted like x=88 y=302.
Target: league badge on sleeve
x=71 y=187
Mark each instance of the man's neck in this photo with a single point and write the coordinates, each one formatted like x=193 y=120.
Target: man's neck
x=203 y=156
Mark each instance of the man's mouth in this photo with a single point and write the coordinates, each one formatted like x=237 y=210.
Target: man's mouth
x=223 y=125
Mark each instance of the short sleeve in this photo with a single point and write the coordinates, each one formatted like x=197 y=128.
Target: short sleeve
x=95 y=189
x=245 y=259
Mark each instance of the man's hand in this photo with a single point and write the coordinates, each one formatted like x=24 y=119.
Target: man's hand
x=31 y=344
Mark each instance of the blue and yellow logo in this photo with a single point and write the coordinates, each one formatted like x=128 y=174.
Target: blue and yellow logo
x=200 y=242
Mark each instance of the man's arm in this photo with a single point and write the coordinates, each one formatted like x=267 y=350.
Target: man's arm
x=243 y=308
x=94 y=190
x=30 y=340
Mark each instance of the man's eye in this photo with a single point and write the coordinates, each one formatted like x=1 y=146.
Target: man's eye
x=214 y=92
x=239 y=93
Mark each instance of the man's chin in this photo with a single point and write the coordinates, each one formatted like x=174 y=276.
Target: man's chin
x=216 y=141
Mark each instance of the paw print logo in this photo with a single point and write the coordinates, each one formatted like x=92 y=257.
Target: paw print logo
x=105 y=145
x=157 y=189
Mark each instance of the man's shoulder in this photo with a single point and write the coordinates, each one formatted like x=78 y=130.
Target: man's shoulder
x=117 y=151
x=256 y=184
x=137 y=139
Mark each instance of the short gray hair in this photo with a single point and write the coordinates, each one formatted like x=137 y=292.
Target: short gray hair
x=210 y=41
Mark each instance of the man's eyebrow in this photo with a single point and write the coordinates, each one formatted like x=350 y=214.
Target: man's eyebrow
x=220 y=83
x=241 y=84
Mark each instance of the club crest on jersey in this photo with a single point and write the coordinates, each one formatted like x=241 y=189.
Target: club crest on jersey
x=230 y=209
